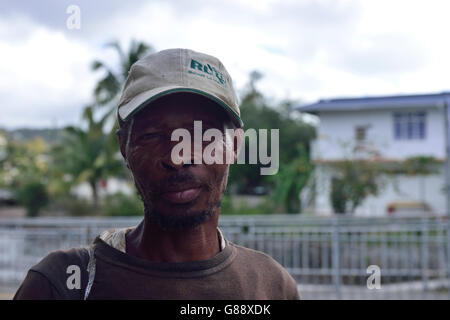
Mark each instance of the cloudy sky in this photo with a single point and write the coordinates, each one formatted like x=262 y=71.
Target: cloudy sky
x=306 y=49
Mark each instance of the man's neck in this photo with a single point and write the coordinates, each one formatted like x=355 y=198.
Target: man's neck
x=149 y=241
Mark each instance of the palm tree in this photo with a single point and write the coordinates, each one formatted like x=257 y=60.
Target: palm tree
x=88 y=155
x=108 y=88
x=91 y=153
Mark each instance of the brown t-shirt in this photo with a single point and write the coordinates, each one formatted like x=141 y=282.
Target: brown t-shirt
x=234 y=273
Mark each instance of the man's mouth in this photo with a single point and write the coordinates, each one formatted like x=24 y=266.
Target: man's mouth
x=182 y=196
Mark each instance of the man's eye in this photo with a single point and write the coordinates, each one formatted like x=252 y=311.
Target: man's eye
x=151 y=135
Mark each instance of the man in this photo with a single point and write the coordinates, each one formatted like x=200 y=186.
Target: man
x=177 y=251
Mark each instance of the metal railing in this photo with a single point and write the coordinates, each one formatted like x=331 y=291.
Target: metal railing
x=328 y=257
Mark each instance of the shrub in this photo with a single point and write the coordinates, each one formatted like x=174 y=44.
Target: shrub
x=33 y=196
x=121 y=204
x=228 y=208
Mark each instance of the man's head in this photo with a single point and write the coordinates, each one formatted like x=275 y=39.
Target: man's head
x=177 y=194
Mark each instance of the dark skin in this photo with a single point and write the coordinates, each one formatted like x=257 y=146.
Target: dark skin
x=158 y=180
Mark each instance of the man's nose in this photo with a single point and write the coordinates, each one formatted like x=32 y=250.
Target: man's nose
x=177 y=160
x=169 y=164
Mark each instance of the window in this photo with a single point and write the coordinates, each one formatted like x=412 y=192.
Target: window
x=360 y=134
x=409 y=125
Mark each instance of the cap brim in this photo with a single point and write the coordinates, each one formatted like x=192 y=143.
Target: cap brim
x=127 y=110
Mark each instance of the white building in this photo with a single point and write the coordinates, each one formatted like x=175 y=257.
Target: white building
x=394 y=128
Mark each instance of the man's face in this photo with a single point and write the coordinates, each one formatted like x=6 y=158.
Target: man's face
x=176 y=195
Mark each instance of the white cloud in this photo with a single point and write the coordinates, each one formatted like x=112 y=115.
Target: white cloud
x=45 y=77
x=306 y=49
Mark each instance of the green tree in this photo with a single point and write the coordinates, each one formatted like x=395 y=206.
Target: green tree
x=290 y=180
x=88 y=155
x=24 y=171
x=33 y=195
x=108 y=88
x=294 y=135
x=92 y=154
x=354 y=181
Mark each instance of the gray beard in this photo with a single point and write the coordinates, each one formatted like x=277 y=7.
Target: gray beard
x=193 y=219
x=189 y=221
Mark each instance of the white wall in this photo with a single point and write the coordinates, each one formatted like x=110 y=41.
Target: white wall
x=401 y=188
x=337 y=129
x=427 y=189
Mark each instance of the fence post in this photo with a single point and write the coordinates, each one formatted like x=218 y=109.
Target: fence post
x=448 y=254
x=425 y=247
x=336 y=258
x=88 y=234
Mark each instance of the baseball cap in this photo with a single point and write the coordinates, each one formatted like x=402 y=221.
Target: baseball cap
x=178 y=70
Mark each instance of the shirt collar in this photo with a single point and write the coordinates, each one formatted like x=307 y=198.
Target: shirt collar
x=116 y=238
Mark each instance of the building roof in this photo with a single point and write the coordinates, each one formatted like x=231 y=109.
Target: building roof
x=381 y=102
